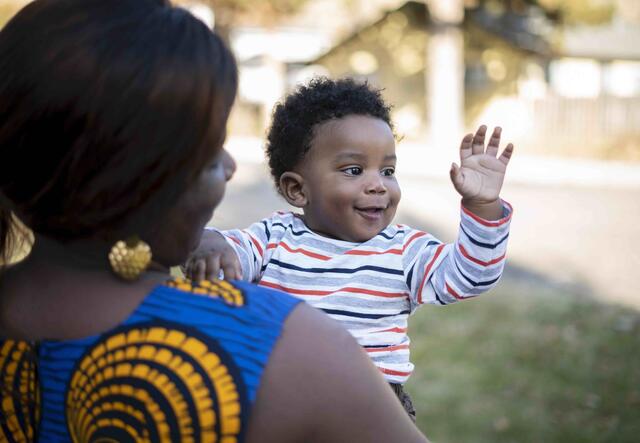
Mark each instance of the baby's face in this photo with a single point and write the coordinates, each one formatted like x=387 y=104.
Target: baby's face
x=349 y=178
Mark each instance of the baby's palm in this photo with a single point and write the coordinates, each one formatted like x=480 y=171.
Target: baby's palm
x=480 y=175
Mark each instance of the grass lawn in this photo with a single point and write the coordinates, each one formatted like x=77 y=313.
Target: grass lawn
x=527 y=365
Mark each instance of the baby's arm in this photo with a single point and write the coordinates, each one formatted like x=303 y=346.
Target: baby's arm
x=445 y=273
x=442 y=274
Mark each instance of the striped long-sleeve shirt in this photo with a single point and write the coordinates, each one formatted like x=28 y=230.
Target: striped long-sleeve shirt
x=372 y=287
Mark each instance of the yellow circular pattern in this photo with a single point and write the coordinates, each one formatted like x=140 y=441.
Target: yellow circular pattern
x=20 y=407
x=155 y=384
x=212 y=288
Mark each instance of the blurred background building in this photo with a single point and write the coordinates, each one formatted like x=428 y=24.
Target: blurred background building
x=564 y=77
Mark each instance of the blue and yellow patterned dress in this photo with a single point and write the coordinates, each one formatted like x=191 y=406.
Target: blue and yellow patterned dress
x=185 y=366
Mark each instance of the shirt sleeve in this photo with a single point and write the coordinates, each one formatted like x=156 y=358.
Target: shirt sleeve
x=441 y=274
x=250 y=245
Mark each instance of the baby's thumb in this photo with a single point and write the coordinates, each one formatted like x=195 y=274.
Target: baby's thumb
x=454 y=173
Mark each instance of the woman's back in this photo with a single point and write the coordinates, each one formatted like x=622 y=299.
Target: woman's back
x=185 y=365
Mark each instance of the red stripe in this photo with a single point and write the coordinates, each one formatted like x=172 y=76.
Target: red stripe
x=399 y=330
x=388 y=251
x=372 y=292
x=426 y=272
x=490 y=223
x=480 y=262
x=291 y=290
x=392 y=372
x=236 y=240
x=305 y=252
x=452 y=292
x=321 y=293
x=412 y=238
x=257 y=245
x=272 y=245
x=388 y=348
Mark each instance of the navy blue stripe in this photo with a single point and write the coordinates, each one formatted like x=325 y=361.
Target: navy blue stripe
x=361 y=315
x=388 y=237
x=290 y=229
x=429 y=243
x=477 y=283
x=337 y=270
x=481 y=244
x=410 y=276
x=266 y=230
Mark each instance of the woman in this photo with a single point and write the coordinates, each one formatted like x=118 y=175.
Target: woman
x=112 y=124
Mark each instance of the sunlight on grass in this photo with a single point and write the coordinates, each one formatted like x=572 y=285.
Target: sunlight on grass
x=523 y=365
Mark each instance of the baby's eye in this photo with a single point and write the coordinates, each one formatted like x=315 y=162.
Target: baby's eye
x=388 y=172
x=352 y=170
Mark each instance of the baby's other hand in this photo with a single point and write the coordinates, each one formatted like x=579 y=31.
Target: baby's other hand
x=481 y=172
x=213 y=255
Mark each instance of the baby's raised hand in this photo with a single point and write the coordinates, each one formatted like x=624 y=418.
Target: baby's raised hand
x=479 y=177
x=212 y=256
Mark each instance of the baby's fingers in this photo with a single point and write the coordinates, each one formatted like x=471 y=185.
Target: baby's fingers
x=212 y=263
x=465 y=147
x=506 y=154
x=196 y=269
x=231 y=267
x=477 y=146
x=494 y=142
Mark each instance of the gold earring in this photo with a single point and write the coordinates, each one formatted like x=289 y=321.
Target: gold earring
x=130 y=258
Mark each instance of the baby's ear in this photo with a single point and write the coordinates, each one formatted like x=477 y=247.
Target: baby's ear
x=291 y=188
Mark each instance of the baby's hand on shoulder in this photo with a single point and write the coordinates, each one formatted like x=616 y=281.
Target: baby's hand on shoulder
x=213 y=255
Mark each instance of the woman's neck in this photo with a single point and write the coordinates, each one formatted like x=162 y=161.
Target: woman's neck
x=67 y=290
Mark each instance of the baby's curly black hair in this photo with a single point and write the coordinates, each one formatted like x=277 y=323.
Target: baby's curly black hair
x=322 y=99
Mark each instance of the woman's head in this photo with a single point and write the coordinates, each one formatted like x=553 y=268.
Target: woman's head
x=109 y=112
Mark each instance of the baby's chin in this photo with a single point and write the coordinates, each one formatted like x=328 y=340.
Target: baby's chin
x=360 y=237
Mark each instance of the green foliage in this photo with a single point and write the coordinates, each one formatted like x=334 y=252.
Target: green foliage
x=525 y=365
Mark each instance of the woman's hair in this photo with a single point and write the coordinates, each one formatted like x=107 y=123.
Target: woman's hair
x=295 y=119
x=105 y=106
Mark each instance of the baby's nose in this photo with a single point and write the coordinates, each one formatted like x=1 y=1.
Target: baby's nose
x=376 y=185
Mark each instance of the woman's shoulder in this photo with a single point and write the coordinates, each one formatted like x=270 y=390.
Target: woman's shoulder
x=240 y=297
x=219 y=309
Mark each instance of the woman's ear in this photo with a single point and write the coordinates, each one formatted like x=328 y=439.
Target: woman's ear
x=292 y=189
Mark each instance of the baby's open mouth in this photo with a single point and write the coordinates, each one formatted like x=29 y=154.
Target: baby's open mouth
x=371 y=212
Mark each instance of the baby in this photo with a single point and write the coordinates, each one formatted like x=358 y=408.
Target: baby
x=331 y=151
